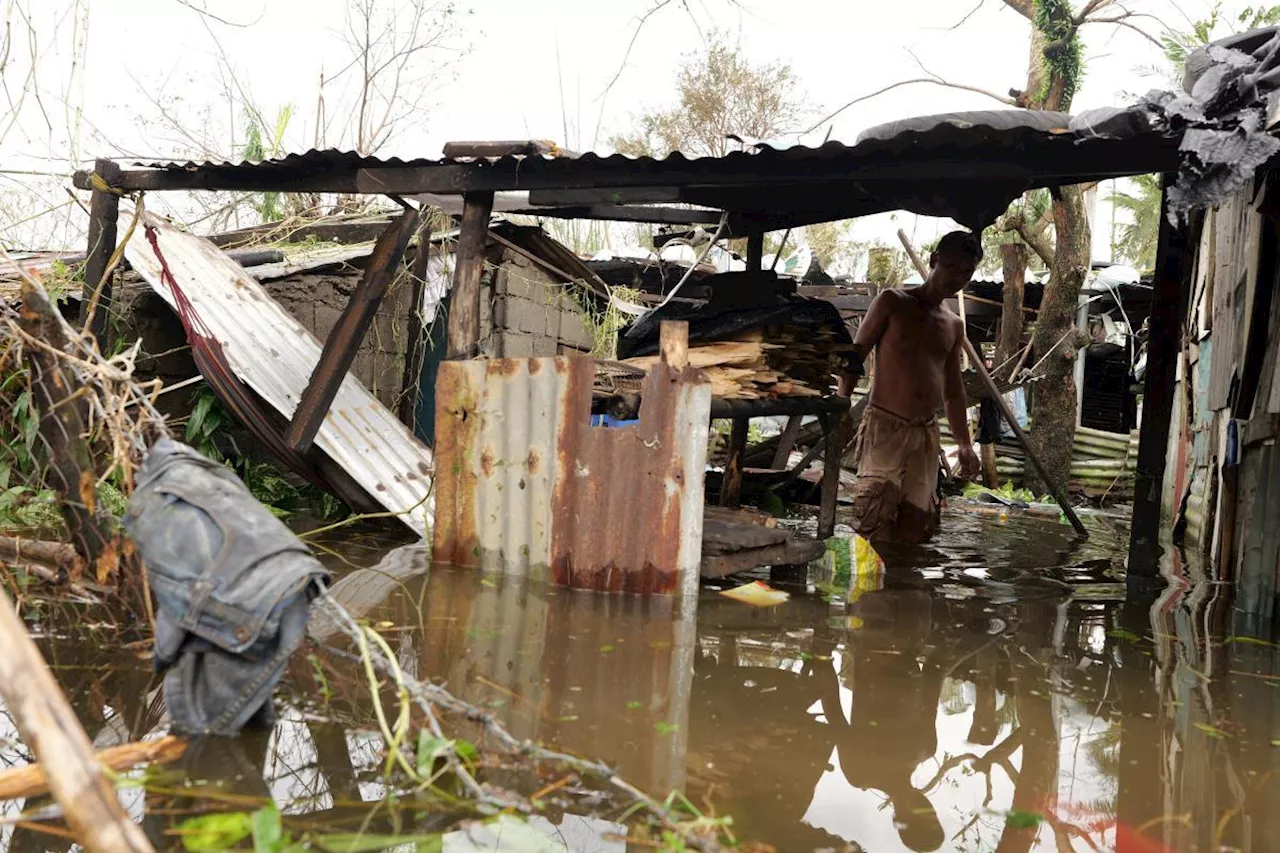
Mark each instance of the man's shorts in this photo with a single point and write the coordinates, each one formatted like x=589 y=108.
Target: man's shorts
x=896 y=496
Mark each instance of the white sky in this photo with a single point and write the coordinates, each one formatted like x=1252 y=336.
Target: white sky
x=533 y=70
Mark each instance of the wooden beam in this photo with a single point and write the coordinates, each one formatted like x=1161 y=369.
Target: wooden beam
x=731 y=485
x=621 y=213
x=1175 y=264
x=604 y=195
x=417 y=332
x=755 y=250
x=787 y=442
x=341 y=345
x=104 y=211
x=464 y=314
x=50 y=729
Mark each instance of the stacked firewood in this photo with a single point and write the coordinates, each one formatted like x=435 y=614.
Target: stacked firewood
x=767 y=362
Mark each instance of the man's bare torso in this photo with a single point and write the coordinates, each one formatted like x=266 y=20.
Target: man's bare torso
x=911 y=356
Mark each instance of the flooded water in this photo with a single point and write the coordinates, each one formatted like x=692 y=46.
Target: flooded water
x=998 y=693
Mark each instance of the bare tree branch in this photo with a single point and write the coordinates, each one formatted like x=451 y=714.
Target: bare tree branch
x=200 y=10
x=933 y=79
x=1089 y=8
x=1022 y=7
x=1038 y=242
x=1123 y=21
x=958 y=24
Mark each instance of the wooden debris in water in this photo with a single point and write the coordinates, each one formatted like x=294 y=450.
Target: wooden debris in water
x=25 y=782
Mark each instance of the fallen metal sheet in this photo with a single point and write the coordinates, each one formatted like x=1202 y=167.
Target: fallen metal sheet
x=527 y=486
x=274 y=355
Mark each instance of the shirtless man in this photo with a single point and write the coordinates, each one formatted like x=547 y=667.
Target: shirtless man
x=917 y=341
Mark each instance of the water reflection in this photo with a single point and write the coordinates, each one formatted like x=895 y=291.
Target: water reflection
x=997 y=694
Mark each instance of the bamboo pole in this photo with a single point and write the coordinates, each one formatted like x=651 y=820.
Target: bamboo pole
x=1054 y=488
x=49 y=726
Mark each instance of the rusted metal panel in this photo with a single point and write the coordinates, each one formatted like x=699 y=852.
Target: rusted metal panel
x=526 y=485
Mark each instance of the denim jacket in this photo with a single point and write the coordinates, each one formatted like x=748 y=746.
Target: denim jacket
x=232 y=584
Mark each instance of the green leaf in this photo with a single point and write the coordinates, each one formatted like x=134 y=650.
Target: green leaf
x=268 y=831
x=1019 y=819
x=430 y=749
x=606 y=648
x=1211 y=731
x=664 y=728
x=352 y=842
x=209 y=833
x=195 y=423
x=1250 y=641
x=466 y=750
x=1121 y=634
x=634 y=705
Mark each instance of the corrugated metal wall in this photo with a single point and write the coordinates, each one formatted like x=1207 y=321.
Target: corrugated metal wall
x=525 y=485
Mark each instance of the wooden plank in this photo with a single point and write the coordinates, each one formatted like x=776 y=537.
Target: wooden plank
x=340 y=348
x=464 y=315
x=755 y=250
x=1175 y=267
x=604 y=195
x=104 y=211
x=673 y=344
x=50 y=729
x=731 y=486
x=838 y=434
x=1256 y=587
x=787 y=441
x=793 y=551
x=722 y=537
x=417 y=331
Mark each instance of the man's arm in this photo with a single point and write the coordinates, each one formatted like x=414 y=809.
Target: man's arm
x=870 y=330
x=956 y=405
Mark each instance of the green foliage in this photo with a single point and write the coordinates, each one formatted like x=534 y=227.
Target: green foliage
x=1063 y=51
x=1137 y=239
x=1179 y=44
x=720 y=92
x=832 y=245
x=887 y=266
x=257 y=147
x=1006 y=491
x=209 y=420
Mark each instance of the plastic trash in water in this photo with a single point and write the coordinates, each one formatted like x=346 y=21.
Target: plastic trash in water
x=757 y=594
x=854 y=566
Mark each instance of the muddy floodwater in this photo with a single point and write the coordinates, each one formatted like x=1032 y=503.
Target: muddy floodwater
x=997 y=694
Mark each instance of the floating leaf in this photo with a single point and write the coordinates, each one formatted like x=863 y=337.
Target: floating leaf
x=430 y=749
x=634 y=705
x=606 y=648
x=213 y=832
x=1019 y=819
x=268 y=831
x=489 y=582
x=1250 y=641
x=665 y=728
x=1211 y=731
x=1121 y=634
x=350 y=842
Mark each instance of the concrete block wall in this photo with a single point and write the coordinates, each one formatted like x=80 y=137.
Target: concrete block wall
x=535 y=314
x=316 y=300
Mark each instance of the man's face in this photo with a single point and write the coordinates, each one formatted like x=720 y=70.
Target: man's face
x=953 y=269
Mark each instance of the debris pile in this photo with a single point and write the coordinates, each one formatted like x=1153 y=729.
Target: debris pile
x=766 y=362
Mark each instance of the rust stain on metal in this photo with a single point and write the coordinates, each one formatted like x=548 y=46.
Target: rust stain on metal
x=526 y=485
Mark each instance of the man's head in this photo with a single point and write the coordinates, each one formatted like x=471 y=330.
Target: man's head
x=953 y=262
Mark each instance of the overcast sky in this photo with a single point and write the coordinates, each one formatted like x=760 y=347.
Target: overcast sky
x=520 y=70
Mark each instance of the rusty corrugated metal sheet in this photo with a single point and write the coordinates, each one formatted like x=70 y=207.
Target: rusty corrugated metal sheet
x=525 y=485
x=275 y=356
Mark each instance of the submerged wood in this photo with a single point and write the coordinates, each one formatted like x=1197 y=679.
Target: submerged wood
x=58 y=554
x=64 y=431
x=50 y=728
x=32 y=781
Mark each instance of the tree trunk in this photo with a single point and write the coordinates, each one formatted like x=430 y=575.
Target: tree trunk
x=1014 y=256
x=1053 y=411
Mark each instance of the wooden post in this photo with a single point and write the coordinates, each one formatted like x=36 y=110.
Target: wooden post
x=787 y=442
x=64 y=432
x=341 y=345
x=417 y=333
x=104 y=210
x=1175 y=265
x=50 y=728
x=989 y=476
x=1055 y=489
x=464 y=315
x=673 y=343
x=731 y=486
x=755 y=251
x=837 y=435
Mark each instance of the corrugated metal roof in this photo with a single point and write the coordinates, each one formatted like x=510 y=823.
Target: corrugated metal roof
x=528 y=487
x=275 y=355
